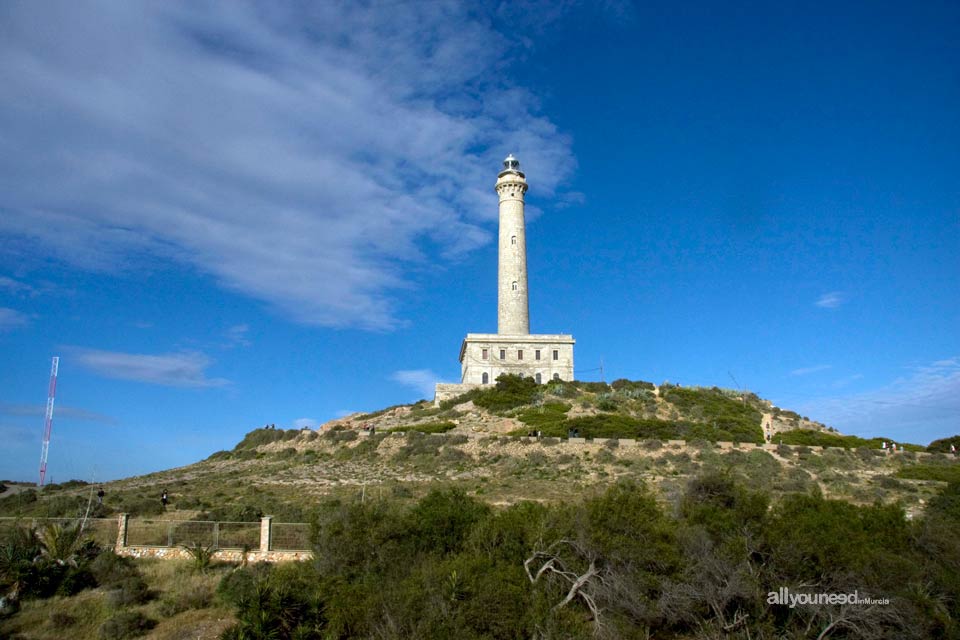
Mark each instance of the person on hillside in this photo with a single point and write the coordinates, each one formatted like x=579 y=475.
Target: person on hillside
x=100 y=494
x=164 y=500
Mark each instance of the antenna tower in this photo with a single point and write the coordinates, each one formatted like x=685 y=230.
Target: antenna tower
x=48 y=419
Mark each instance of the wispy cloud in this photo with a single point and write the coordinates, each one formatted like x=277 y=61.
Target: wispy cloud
x=37 y=410
x=186 y=369
x=804 y=371
x=16 y=435
x=12 y=319
x=847 y=380
x=422 y=380
x=237 y=336
x=303 y=154
x=918 y=407
x=15 y=286
x=831 y=300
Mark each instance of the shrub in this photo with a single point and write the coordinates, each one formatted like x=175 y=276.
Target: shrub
x=441 y=520
x=714 y=407
x=239 y=585
x=427 y=427
x=259 y=437
x=76 y=580
x=943 y=445
x=129 y=591
x=191 y=595
x=592 y=387
x=126 y=624
x=109 y=569
x=510 y=391
x=632 y=385
x=201 y=556
x=341 y=435
x=419 y=444
x=547 y=417
x=939 y=473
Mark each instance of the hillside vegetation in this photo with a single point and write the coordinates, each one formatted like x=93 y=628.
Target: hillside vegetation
x=443 y=522
x=612 y=563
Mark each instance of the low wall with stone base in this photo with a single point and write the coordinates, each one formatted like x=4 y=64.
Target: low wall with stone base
x=262 y=552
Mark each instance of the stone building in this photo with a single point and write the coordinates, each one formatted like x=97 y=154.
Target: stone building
x=512 y=349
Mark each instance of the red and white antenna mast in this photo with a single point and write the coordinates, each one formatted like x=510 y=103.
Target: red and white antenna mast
x=48 y=420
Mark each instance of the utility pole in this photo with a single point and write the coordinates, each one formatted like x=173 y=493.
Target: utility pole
x=48 y=419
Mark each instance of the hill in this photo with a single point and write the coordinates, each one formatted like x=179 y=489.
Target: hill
x=631 y=430
x=449 y=521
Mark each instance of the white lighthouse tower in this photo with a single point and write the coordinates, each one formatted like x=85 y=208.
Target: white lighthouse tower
x=513 y=305
x=513 y=349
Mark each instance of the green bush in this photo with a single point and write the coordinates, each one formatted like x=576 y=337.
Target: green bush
x=547 y=417
x=943 y=445
x=129 y=591
x=341 y=435
x=126 y=624
x=632 y=385
x=110 y=570
x=259 y=437
x=427 y=427
x=190 y=596
x=736 y=420
x=510 y=391
x=941 y=473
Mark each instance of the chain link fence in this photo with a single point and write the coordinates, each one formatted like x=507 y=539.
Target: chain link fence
x=289 y=536
x=284 y=536
x=103 y=531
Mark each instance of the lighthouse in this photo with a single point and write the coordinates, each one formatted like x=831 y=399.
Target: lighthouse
x=513 y=304
x=512 y=349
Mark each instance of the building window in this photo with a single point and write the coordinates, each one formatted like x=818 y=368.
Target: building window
x=486 y=378
x=536 y=354
x=538 y=378
x=556 y=376
x=484 y=354
x=514 y=286
x=519 y=354
x=503 y=354
x=556 y=354
x=513 y=239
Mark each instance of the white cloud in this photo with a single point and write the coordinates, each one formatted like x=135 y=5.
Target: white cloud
x=304 y=155
x=37 y=410
x=843 y=382
x=918 y=407
x=237 y=336
x=15 y=286
x=422 y=380
x=173 y=369
x=11 y=319
x=808 y=370
x=305 y=423
x=831 y=300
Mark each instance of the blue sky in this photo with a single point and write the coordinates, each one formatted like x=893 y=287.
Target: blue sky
x=223 y=215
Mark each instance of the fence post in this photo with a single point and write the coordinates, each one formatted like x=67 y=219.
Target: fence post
x=122 y=531
x=216 y=535
x=265 y=526
x=170 y=534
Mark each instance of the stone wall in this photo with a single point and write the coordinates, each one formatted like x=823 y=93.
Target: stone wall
x=263 y=554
